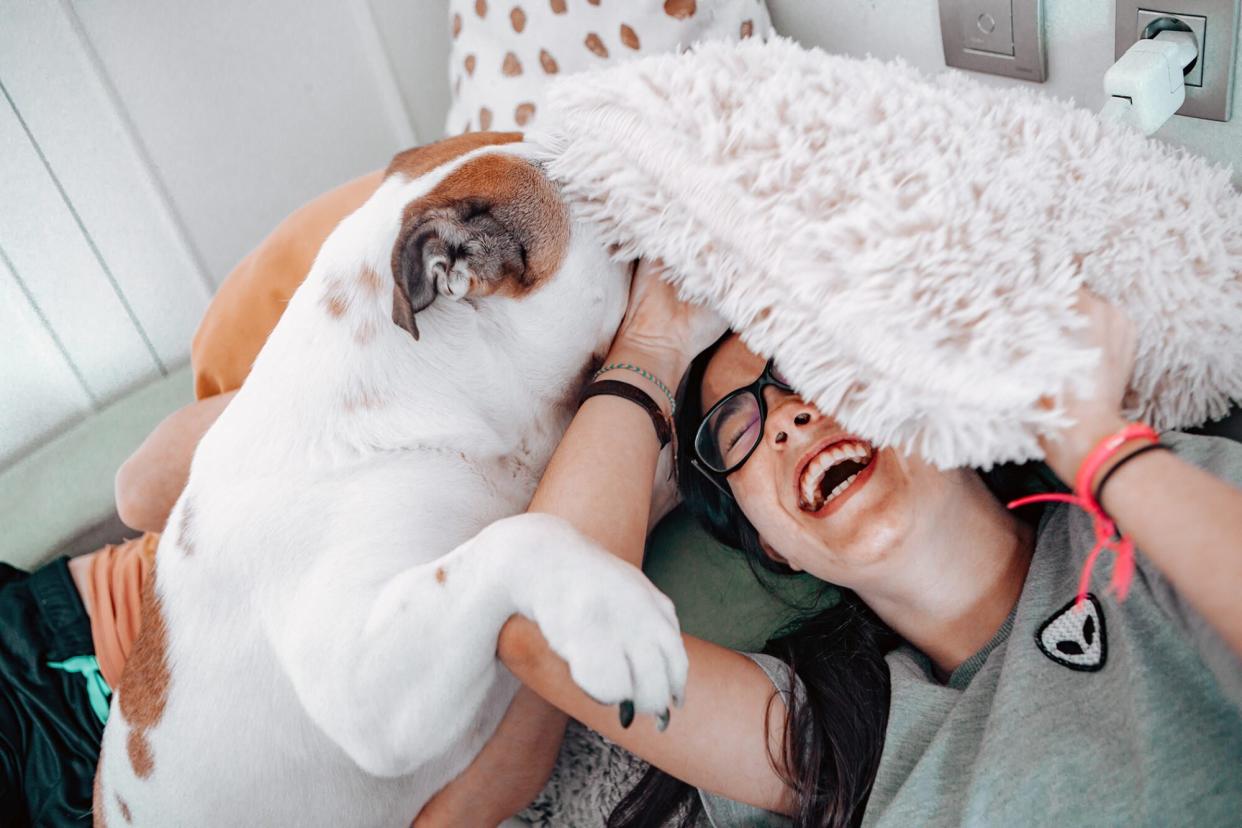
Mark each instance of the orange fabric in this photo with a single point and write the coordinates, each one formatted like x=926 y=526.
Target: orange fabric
x=117 y=576
x=237 y=323
x=252 y=297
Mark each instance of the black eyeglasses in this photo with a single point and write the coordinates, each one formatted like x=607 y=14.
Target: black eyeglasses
x=733 y=428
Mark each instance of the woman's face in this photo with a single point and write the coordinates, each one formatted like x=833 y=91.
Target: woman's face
x=786 y=487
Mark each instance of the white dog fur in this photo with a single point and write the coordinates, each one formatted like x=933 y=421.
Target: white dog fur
x=327 y=594
x=910 y=247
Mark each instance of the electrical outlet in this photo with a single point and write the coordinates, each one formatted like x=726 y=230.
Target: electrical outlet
x=1152 y=23
x=1002 y=37
x=1214 y=23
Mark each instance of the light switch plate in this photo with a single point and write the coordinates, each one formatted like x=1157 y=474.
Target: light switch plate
x=1212 y=99
x=1002 y=37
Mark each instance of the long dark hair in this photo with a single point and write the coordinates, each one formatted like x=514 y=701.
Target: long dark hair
x=834 y=733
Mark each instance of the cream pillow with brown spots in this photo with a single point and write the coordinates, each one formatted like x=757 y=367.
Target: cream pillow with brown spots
x=505 y=51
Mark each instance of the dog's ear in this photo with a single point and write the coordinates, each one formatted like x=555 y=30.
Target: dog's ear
x=495 y=225
x=413 y=288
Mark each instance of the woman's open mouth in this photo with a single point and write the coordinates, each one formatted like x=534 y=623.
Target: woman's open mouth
x=833 y=472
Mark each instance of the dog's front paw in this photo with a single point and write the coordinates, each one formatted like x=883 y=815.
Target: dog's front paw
x=617 y=631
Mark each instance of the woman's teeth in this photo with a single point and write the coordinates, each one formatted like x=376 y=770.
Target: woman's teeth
x=831 y=472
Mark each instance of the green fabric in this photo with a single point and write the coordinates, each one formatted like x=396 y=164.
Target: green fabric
x=97 y=690
x=717 y=595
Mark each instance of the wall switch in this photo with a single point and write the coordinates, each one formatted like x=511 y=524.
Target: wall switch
x=1003 y=37
x=1214 y=23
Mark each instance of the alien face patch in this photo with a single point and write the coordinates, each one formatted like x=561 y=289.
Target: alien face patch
x=1074 y=637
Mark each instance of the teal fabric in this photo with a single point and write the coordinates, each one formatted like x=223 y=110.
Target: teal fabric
x=718 y=596
x=97 y=690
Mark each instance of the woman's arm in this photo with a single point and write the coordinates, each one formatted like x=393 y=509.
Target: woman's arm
x=1187 y=522
x=150 y=481
x=719 y=739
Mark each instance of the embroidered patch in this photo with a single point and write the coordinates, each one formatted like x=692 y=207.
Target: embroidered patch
x=1074 y=636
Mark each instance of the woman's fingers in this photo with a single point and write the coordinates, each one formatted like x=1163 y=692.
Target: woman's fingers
x=1096 y=414
x=659 y=323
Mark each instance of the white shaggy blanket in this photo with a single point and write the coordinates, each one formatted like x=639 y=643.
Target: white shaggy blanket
x=910 y=246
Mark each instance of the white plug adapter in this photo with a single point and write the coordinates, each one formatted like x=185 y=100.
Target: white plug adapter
x=1147 y=85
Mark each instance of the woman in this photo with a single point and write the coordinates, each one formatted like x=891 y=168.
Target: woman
x=999 y=702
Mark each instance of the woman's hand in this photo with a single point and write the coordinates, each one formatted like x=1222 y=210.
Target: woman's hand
x=660 y=331
x=1098 y=415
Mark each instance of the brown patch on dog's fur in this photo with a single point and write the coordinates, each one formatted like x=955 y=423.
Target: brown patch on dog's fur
x=335 y=303
x=483 y=182
x=548 y=62
x=362 y=398
x=365 y=332
x=515 y=204
x=370 y=280
x=139 y=750
x=144 y=685
x=441 y=575
x=417 y=162
x=123 y=807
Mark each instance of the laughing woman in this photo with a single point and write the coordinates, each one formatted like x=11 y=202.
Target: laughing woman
x=958 y=681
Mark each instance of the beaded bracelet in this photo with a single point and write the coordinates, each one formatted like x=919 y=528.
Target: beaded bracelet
x=645 y=374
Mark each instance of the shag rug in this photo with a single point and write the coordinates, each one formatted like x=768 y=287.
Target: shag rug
x=910 y=246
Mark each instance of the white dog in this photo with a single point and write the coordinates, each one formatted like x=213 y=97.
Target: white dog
x=319 y=644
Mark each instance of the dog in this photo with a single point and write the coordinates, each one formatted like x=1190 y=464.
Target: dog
x=318 y=643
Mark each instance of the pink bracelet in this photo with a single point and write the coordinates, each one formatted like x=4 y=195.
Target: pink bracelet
x=1107 y=535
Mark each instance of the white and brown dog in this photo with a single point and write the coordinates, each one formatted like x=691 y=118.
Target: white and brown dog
x=319 y=644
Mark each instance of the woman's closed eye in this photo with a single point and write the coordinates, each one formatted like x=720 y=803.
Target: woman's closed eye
x=738 y=434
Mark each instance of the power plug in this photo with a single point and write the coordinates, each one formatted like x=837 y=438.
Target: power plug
x=1148 y=85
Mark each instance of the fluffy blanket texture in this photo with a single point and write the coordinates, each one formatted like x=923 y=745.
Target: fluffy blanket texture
x=910 y=246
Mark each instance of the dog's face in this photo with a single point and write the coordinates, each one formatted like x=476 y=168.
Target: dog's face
x=492 y=226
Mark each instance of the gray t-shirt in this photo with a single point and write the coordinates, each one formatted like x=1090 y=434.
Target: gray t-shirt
x=1123 y=713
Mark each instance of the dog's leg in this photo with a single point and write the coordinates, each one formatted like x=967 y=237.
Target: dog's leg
x=397 y=671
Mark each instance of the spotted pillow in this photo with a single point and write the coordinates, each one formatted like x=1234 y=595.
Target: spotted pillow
x=504 y=51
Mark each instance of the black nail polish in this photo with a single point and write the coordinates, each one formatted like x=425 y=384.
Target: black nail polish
x=627 y=713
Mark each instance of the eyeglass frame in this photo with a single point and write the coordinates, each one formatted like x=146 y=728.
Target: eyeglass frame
x=755 y=389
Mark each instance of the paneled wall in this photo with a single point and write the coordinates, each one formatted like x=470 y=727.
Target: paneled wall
x=145 y=146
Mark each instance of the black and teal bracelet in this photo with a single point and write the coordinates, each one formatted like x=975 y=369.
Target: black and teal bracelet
x=645 y=374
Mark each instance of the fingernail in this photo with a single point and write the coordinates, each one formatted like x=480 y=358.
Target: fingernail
x=627 y=713
x=662 y=721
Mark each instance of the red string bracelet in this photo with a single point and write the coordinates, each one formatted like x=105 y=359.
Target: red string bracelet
x=1107 y=535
